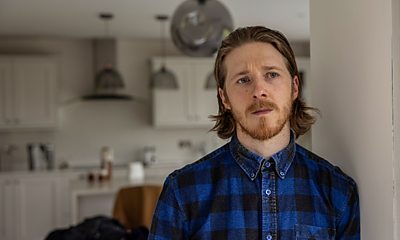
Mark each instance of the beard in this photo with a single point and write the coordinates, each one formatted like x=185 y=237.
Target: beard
x=265 y=128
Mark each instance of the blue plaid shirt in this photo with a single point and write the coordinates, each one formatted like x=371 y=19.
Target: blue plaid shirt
x=233 y=193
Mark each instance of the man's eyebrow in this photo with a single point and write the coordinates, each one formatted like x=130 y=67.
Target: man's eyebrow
x=272 y=67
x=244 y=72
x=266 y=67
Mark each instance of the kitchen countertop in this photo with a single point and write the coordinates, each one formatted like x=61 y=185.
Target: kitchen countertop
x=84 y=187
x=81 y=188
x=27 y=173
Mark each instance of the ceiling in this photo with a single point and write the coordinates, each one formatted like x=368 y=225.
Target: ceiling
x=135 y=18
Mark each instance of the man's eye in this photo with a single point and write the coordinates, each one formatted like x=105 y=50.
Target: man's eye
x=243 y=80
x=272 y=75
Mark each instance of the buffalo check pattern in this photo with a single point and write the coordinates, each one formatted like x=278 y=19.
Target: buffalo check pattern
x=233 y=193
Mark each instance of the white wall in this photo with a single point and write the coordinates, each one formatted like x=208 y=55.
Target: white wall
x=396 y=114
x=351 y=51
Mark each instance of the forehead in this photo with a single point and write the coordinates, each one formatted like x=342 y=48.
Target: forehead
x=253 y=54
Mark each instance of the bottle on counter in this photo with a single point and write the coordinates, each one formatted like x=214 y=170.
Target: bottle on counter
x=107 y=158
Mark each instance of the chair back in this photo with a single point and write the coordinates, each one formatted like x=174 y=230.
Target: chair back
x=134 y=206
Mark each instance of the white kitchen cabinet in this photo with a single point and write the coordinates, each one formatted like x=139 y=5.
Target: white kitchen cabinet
x=191 y=104
x=27 y=92
x=32 y=206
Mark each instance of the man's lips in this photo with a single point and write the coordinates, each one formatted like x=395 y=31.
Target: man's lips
x=262 y=108
x=262 y=111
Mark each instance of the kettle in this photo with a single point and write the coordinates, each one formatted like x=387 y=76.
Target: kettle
x=40 y=156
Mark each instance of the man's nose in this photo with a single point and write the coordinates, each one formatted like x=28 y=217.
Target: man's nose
x=260 y=89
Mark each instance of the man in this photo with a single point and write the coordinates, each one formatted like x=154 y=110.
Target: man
x=260 y=185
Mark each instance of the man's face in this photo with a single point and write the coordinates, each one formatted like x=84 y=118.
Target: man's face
x=259 y=90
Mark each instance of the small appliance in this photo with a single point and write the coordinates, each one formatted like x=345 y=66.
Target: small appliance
x=40 y=156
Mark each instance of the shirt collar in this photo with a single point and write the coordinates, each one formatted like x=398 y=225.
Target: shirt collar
x=252 y=163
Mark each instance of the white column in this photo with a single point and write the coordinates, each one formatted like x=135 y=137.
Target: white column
x=351 y=68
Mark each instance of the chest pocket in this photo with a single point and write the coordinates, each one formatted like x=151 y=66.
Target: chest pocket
x=307 y=232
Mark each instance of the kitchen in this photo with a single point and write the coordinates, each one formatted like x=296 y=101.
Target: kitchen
x=83 y=127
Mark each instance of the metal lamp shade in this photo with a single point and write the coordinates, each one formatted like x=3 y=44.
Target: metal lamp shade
x=108 y=78
x=211 y=83
x=164 y=79
x=108 y=82
x=198 y=27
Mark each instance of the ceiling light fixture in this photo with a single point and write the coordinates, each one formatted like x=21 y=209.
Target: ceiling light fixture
x=108 y=81
x=198 y=26
x=163 y=79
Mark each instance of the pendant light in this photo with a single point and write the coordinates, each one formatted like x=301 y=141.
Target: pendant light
x=211 y=83
x=198 y=26
x=163 y=78
x=108 y=81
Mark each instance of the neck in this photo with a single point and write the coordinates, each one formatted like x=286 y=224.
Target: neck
x=269 y=147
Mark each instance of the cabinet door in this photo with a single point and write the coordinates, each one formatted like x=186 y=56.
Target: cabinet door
x=5 y=93
x=206 y=102
x=192 y=103
x=2 y=211
x=170 y=106
x=34 y=92
x=36 y=200
x=8 y=210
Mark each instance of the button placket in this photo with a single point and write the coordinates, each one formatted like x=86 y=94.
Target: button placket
x=267 y=164
x=268 y=192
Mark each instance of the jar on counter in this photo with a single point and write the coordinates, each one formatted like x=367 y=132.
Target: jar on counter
x=107 y=158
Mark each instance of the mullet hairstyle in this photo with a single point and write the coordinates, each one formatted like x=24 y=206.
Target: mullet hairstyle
x=300 y=118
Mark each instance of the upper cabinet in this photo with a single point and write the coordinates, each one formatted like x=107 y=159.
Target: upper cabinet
x=27 y=92
x=193 y=102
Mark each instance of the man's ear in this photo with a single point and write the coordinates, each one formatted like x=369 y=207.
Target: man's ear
x=224 y=98
x=295 y=87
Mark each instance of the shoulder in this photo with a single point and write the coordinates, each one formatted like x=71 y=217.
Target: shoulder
x=327 y=174
x=199 y=170
x=338 y=189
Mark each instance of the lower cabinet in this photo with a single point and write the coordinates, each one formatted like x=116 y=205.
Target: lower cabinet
x=32 y=206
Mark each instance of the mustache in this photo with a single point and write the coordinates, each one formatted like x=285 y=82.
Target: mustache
x=262 y=105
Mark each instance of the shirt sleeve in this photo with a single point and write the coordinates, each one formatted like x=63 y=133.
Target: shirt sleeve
x=348 y=227
x=169 y=221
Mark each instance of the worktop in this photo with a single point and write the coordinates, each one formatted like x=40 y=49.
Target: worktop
x=97 y=198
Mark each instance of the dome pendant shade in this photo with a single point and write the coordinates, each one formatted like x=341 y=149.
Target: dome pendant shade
x=108 y=78
x=164 y=79
x=211 y=83
x=199 y=26
x=108 y=82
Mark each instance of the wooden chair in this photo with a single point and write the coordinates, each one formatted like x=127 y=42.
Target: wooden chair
x=134 y=206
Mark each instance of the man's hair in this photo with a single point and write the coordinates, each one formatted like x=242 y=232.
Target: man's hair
x=300 y=119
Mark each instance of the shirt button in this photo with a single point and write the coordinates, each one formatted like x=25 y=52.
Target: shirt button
x=268 y=192
x=269 y=237
x=282 y=173
x=253 y=175
x=267 y=164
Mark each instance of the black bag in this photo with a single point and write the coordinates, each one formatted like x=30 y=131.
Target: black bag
x=99 y=228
